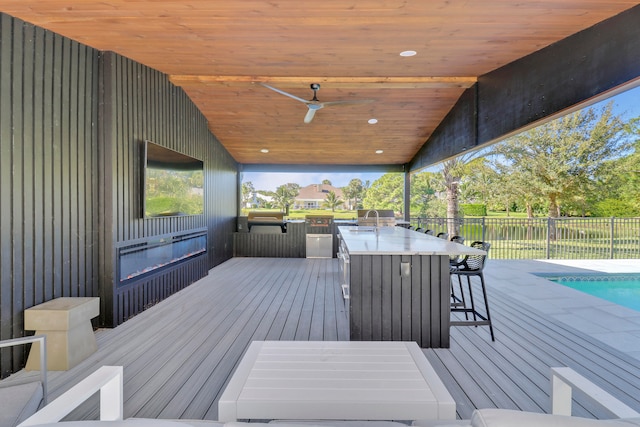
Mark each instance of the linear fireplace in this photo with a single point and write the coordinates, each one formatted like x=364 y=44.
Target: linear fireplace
x=146 y=256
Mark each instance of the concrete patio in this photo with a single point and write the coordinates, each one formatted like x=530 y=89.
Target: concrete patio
x=610 y=323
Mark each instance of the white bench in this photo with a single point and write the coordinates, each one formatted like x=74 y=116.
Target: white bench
x=67 y=324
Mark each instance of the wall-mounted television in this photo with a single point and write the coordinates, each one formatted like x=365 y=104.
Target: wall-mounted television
x=173 y=183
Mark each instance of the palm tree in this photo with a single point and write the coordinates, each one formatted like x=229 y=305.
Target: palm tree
x=332 y=201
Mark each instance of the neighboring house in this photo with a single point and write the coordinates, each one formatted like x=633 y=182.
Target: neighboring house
x=313 y=196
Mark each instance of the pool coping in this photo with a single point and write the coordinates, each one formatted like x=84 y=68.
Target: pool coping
x=610 y=323
x=601 y=276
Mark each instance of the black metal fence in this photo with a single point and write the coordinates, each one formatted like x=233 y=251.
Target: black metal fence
x=546 y=238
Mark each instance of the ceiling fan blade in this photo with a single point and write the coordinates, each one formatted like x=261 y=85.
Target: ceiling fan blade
x=357 y=101
x=310 y=114
x=284 y=93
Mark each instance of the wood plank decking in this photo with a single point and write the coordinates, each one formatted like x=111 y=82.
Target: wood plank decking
x=179 y=354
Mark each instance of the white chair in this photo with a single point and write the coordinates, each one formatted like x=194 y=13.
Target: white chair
x=563 y=381
x=20 y=399
x=108 y=380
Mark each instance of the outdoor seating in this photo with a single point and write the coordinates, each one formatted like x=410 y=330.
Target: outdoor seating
x=21 y=399
x=108 y=381
x=420 y=230
x=443 y=235
x=457 y=301
x=428 y=231
x=66 y=321
x=470 y=266
x=563 y=382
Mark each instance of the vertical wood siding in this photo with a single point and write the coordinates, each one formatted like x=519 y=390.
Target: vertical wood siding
x=139 y=104
x=48 y=158
x=71 y=119
x=386 y=306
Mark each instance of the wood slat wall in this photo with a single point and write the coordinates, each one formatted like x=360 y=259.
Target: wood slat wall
x=71 y=118
x=48 y=187
x=141 y=104
x=286 y=245
x=386 y=306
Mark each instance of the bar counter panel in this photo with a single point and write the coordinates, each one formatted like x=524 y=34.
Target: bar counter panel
x=399 y=285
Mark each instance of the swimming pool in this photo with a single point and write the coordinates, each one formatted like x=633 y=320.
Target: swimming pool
x=619 y=288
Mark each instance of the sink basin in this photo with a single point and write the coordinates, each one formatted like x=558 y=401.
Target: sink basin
x=362 y=230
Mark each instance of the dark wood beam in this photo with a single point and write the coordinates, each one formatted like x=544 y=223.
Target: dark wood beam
x=335 y=82
x=277 y=168
x=574 y=72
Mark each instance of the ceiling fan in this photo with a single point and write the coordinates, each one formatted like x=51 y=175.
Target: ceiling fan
x=315 y=104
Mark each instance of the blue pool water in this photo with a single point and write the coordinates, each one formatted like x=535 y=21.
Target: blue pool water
x=622 y=288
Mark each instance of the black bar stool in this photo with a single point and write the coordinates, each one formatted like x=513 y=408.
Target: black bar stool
x=472 y=265
x=456 y=301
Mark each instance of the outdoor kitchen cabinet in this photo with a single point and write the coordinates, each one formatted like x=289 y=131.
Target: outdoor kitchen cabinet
x=399 y=287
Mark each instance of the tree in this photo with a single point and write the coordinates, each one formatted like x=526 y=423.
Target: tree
x=511 y=186
x=386 y=192
x=478 y=181
x=248 y=192
x=332 y=201
x=559 y=159
x=326 y=182
x=423 y=194
x=285 y=195
x=354 y=192
x=622 y=177
x=452 y=173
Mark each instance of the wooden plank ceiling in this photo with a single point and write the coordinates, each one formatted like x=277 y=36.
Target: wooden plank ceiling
x=220 y=51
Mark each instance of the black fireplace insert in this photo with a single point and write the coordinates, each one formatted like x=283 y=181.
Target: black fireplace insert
x=150 y=255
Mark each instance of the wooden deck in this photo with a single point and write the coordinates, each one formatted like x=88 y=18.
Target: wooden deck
x=179 y=354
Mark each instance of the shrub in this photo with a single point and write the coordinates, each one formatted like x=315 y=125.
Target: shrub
x=473 y=209
x=614 y=207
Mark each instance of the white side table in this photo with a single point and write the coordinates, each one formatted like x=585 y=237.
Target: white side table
x=335 y=380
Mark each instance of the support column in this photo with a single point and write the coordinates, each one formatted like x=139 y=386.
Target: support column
x=407 y=195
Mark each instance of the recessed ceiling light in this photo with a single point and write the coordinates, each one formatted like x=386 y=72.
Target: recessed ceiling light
x=264 y=150
x=408 y=53
x=379 y=151
x=372 y=121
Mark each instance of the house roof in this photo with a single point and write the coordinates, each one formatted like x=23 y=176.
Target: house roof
x=318 y=192
x=220 y=52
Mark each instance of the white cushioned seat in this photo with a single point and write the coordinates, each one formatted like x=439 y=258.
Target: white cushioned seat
x=326 y=423
x=513 y=418
x=510 y=418
x=19 y=402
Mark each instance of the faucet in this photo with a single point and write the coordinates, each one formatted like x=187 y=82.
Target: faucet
x=366 y=216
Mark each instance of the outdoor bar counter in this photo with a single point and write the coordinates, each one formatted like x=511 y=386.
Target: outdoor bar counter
x=396 y=284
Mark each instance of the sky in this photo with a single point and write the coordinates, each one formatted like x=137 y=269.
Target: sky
x=270 y=181
x=627 y=103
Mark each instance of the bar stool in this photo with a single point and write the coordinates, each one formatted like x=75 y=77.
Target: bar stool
x=473 y=265
x=456 y=301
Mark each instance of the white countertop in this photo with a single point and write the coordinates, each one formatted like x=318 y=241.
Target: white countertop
x=399 y=241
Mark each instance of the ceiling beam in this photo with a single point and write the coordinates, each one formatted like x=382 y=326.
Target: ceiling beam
x=335 y=82
x=287 y=168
